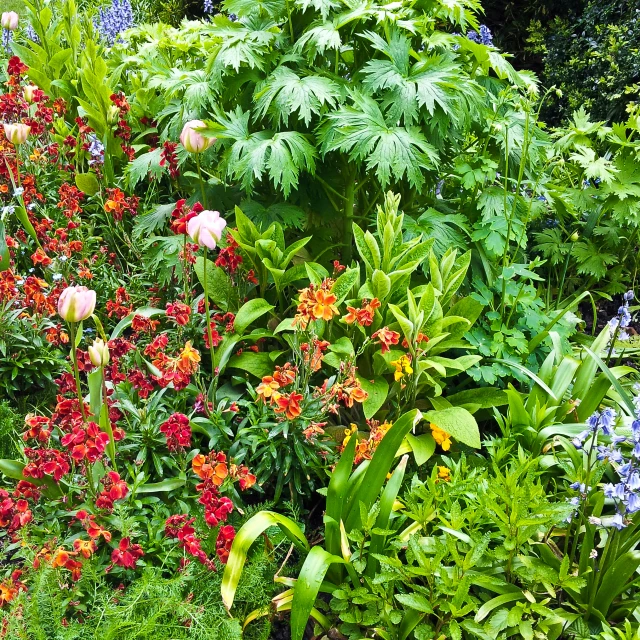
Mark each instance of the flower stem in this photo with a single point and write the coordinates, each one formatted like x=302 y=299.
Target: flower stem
x=76 y=371
x=207 y=314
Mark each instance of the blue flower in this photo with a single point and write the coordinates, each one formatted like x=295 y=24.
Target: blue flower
x=618 y=522
x=114 y=20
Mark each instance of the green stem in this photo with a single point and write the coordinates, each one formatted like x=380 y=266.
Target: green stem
x=76 y=371
x=347 y=232
x=562 y=279
x=202 y=191
x=207 y=314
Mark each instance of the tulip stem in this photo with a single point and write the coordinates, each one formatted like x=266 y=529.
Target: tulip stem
x=207 y=314
x=204 y=195
x=76 y=371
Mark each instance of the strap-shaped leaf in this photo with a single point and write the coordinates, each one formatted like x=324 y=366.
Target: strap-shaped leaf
x=307 y=587
x=246 y=536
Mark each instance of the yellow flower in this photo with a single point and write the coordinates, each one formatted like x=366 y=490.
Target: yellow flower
x=403 y=366
x=441 y=437
x=444 y=473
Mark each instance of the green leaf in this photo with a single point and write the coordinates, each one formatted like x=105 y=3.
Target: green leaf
x=249 y=313
x=246 y=536
x=87 y=182
x=161 y=487
x=377 y=390
x=616 y=580
x=307 y=586
x=219 y=285
x=414 y=601
x=457 y=422
x=496 y=602
x=377 y=471
x=343 y=285
x=614 y=381
x=5 y=258
x=257 y=364
x=423 y=447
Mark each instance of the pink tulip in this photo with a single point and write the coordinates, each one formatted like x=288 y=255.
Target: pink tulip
x=16 y=133
x=76 y=304
x=192 y=140
x=206 y=228
x=9 y=20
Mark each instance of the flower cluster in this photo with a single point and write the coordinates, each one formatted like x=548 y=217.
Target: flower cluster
x=113 y=20
x=441 y=437
x=626 y=492
x=365 y=315
x=622 y=320
x=177 y=431
x=316 y=303
x=482 y=36
x=365 y=448
x=85 y=442
x=125 y=555
x=114 y=488
x=180 y=527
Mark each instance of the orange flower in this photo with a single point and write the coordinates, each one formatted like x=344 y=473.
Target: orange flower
x=84 y=547
x=444 y=473
x=325 y=306
x=351 y=391
x=289 y=405
x=284 y=375
x=188 y=359
x=61 y=558
x=386 y=337
x=268 y=387
x=213 y=467
x=363 y=316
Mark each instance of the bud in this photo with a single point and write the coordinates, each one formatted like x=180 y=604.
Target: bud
x=99 y=353
x=10 y=20
x=16 y=133
x=76 y=304
x=29 y=92
x=574 y=236
x=192 y=140
x=206 y=228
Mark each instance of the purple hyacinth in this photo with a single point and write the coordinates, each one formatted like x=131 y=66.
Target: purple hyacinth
x=114 y=20
x=7 y=37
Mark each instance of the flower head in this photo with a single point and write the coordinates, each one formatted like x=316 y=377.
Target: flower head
x=10 y=20
x=76 y=304
x=16 y=133
x=192 y=140
x=206 y=228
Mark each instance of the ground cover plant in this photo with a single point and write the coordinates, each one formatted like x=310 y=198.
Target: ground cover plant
x=310 y=327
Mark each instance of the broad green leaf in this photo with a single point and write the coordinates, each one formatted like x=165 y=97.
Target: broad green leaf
x=219 y=285
x=457 y=422
x=250 y=312
x=5 y=259
x=257 y=364
x=87 y=182
x=377 y=390
x=343 y=285
x=423 y=447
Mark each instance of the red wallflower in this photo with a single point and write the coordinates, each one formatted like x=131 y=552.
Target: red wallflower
x=224 y=542
x=114 y=489
x=178 y=432
x=179 y=311
x=169 y=158
x=125 y=555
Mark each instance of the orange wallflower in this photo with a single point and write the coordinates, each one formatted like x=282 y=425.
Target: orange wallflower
x=285 y=375
x=289 y=405
x=268 y=388
x=386 y=338
x=365 y=315
x=325 y=306
x=188 y=359
x=84 y=547
x=213 y=467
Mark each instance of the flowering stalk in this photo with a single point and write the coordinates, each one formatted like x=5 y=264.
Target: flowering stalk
x=76 y=371
x=207 y=315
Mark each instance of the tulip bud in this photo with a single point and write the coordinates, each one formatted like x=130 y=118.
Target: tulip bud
x=192 y=140
x=206 y=228
x=29 y=92
x=10 y=20
x=76 y=303
x=99 y=353
x=16 y=133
